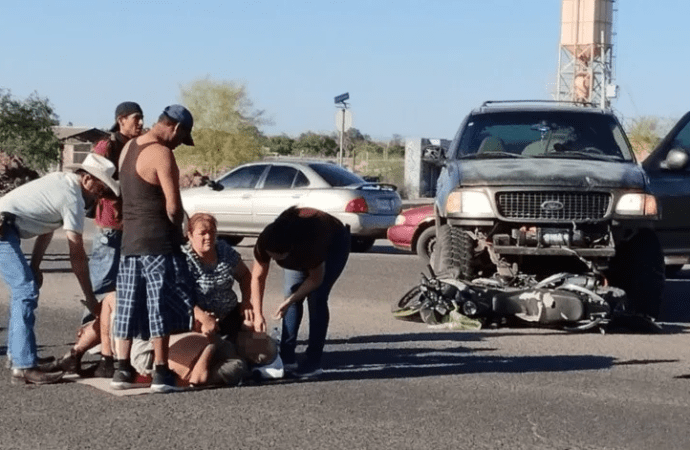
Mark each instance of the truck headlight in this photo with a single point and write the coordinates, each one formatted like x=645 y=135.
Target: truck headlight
x=470 y=203
x=637 y=205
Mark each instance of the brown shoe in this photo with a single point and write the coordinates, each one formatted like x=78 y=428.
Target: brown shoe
x=70 y=363
x=35 y=376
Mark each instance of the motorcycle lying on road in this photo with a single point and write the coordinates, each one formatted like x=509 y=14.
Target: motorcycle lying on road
x=567 y=301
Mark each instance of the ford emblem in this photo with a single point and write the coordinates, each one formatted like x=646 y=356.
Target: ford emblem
x=552 y=206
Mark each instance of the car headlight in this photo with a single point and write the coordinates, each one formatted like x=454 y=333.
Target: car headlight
x=637 y=205
x=471 y=203
x=400 y=220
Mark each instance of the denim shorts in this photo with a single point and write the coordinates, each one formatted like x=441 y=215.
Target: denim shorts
x=104 y=260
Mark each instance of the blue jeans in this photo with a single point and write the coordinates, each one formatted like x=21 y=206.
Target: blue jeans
x=19 y=278
x=103 y=264
x=317 y=302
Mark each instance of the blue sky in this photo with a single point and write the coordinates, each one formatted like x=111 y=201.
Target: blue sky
x=412 y=67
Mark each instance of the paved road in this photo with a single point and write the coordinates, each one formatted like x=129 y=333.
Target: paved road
x=390 y=384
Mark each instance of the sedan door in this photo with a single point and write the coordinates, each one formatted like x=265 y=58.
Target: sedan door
x=232 y=205
x=284 y=186
x=669 y=179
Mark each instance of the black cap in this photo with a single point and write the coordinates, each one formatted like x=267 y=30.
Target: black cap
x=125 y=109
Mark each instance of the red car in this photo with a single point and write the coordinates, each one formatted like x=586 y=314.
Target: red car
x=414 y=231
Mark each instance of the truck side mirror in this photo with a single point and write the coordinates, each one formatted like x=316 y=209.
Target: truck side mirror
x=676 y=159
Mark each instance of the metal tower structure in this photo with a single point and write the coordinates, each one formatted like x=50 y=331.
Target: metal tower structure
x=585 y=62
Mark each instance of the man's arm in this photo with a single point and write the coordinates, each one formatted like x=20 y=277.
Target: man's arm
x=257 y=288
x=168 y=176
x=40 y=246
x=80 y=267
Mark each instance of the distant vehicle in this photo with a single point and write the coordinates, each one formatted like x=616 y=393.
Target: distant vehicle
x=414 y=231
x=252 y=195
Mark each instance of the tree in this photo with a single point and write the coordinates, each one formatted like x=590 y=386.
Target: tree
x=281 y=145
x=315 y=145
x=26 y=130
x=645 y=133
x=225 y=126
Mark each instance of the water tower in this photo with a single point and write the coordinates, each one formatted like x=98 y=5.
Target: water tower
x=585 y=62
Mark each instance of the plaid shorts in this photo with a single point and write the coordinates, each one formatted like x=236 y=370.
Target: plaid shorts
x=154 y=296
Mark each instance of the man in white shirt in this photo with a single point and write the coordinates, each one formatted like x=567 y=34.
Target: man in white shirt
x=37 y=209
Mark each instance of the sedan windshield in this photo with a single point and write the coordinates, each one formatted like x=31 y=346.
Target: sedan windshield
x=544 y=134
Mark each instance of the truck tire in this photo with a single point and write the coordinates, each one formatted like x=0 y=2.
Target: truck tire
x=638 y=268
x=453 y=253
x=425 y=243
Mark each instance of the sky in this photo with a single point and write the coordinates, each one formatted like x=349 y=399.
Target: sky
x=412 y=68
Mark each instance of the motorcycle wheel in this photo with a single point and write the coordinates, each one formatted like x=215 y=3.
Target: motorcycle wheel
x=407 y=308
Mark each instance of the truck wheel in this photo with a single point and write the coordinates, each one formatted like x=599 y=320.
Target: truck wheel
x=638 y=268
x=453 y=253
x=426 y=242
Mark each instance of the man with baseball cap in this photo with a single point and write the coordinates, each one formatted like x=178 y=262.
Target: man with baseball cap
x=152 y=301
x=37 y=209
x=107 y=239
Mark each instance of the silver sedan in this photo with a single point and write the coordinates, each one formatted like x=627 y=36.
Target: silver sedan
x=252 y=195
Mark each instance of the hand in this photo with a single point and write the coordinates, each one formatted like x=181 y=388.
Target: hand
x=208 y=324
x=93 y=306
x=259 y=323
x=209 y=327
x=283 y=307
x=38 y=277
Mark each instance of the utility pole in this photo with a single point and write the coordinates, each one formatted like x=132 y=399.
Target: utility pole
x=341 y=117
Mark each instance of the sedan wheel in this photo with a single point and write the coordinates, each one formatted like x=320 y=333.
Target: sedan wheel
x=361 y=244
x=426 y=242
x=232 y=240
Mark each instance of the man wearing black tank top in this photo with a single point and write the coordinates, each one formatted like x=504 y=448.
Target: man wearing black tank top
x=150 y=303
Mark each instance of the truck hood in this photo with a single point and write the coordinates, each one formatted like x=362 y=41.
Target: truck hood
x=564 y=173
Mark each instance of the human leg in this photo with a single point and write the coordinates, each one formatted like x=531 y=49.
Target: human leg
x=169 y=309
x=293 y=316
x=317 y=301
x=127 y=308
x=103 y=264
x=15 y=271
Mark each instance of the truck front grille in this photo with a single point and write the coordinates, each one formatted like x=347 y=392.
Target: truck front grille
x=553 y=206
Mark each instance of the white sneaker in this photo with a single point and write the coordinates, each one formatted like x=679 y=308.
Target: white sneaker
x=272 y=371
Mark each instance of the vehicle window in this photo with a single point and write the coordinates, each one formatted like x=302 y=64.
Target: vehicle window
x=301 y=181
x=544 y=134
x=335 y=175
x=280 y=177
x=244 y=178
x=682 y=139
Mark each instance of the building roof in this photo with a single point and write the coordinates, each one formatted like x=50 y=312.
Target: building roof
x=80 y=134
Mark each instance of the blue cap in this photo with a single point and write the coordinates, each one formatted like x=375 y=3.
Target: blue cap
x=181 y=115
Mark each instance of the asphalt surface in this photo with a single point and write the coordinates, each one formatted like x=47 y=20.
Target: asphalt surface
x=388 y=384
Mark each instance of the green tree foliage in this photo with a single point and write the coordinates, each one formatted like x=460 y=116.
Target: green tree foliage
x=225 y=126
x=645 y=133
x=25 y=130
x=281 y=145
x=312 y=144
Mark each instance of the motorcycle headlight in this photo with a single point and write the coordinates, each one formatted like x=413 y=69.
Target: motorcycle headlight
x=470 y=203
x=637 y=205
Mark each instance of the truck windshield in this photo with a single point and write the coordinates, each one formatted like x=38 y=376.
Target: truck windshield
x=544 y=134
